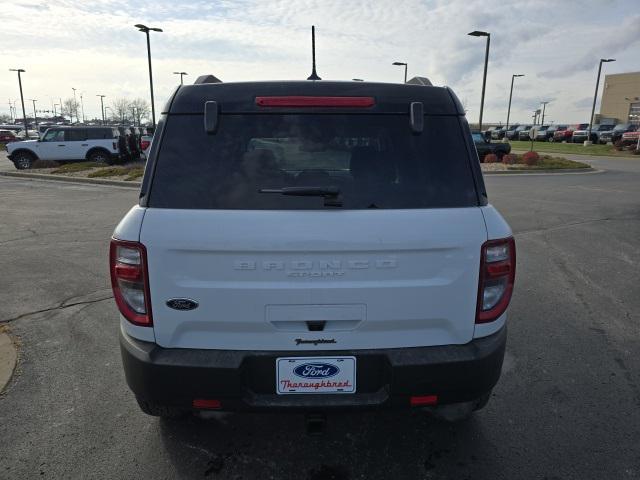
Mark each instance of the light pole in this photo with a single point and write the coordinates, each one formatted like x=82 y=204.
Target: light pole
x=400 y=64
x=544 y=107
x=146 y=30
x=35 y=115
x=75 y=104
x=595 y=96
x=24 y=113
x=82 y=108
x=182 y=74
x=477 y=33
x=55 y=112
x=510 y=96
x=102 y=106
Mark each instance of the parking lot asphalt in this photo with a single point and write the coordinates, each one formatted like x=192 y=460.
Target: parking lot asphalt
x=567 y=405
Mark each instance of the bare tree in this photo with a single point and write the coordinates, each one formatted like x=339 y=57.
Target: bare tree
x=70 y=108
x=121 y=110
x=142 y=108
x=4 y=118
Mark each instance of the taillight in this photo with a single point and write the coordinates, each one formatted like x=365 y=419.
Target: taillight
x=130 y=281
x=115 y=145
x=144 y=144
x=497 y=275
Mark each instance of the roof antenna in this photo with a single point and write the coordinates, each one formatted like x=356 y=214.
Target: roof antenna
x=314 y=75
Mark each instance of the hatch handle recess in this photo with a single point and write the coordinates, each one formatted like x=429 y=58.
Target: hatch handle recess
x=417 y=117
x=211 y=116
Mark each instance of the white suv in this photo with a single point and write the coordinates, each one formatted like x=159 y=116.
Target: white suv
x=312 y=246
x=96 y=144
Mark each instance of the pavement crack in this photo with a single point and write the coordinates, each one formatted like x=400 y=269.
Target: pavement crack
x=63 y=305
x=571 y=224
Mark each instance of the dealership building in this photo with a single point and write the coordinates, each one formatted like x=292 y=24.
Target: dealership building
x=621 y=98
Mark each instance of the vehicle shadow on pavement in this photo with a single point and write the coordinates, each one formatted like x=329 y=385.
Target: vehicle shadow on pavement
x=354 y=445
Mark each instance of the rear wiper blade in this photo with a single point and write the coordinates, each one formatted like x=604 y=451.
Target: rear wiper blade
x=331 y=194
x=304 y=191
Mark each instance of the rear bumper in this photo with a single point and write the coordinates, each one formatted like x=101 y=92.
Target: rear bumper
x=246 y=380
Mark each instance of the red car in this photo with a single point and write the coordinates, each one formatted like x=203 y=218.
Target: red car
x=7 y=136
x=566 y=134
x=630 y=138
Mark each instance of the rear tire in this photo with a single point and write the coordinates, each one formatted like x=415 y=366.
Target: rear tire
x=163 y=411
x=100 y=156
x=23 y=160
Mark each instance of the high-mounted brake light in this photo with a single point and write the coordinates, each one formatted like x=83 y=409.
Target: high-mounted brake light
x=306 y=101
x=130 y=281
x=497 y=276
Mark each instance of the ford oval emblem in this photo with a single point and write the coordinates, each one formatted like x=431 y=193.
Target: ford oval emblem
x=316 y=370
x=182 y=304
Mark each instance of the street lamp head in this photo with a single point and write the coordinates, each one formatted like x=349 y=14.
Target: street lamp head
x=156 y=29
x=16 y=70
x=399 y=63
x=141 y=27
x=519 y=75
x=478 y=33
x=357 y=79
x=606 y=60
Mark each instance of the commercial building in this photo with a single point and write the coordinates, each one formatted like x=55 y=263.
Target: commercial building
x=621 y=97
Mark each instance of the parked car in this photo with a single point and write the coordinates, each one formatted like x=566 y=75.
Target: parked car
x=581 y=135
x=488 y=133
x=498 y=133
x=123 y=144
x=630 y=138
x=96 y=144
x=31 y=135
x=523 y=132
x=134 y=142
x=7 y=136
x=511 y=132
x=542 y=133
x=567 y=134
x=346 y=273
x=616 y=134
x=484 y=147
x=552 y=130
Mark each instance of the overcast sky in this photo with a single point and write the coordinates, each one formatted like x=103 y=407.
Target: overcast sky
x=92 y=45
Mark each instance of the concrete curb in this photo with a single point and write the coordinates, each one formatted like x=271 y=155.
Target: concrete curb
x=8 y=358
x=62 y=178
x=551 y=171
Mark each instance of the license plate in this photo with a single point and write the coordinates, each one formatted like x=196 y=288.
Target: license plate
x=300 y=375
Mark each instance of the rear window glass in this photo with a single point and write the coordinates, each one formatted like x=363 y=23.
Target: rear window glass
x=374 y=161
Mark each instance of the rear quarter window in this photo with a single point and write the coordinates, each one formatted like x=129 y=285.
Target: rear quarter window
x=374 y=160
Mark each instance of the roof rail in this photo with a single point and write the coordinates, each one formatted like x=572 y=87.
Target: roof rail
x=207 y=79
x=420 y=81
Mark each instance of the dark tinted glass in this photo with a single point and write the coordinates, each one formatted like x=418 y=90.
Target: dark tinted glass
x=75 y=135
x=374 y=160
x=99 y=133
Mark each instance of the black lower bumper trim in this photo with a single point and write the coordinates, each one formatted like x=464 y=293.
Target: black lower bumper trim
x=245 y=380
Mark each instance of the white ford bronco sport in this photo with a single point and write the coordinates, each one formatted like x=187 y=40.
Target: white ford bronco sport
x=95 y=144
x=309 y=246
